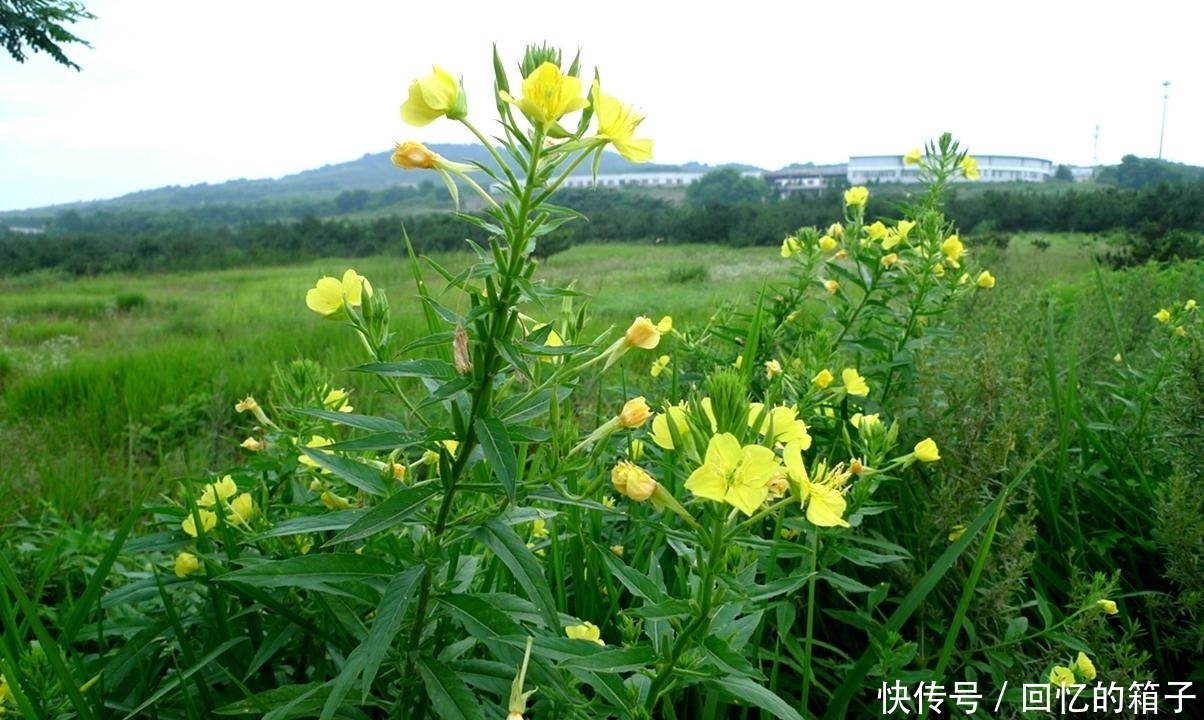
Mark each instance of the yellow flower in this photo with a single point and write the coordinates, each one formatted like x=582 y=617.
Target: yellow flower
x=222 y=490
x=432 y=97
x=1108 y=606
x=336 y=399
x=208 y=521
x=252 y=444
x=247 y=403
x=633 y=481
x=969 y=168
x=411 y=155
x=334 y=502
x=539 y=528
x=315 y=441
x=548 y=94
x=1180 y=331
x=831 y=286
x=736 y=475
x=585 y=631
x=953 y=249
x=617 y=550
x=790 y=246
x=938 y=271
x=661 y=434
x=823 y=499
x=1163 y=315
x=927 y=451
x=635 y=413
x=773 y=369
x=1061 y=676
x=827 y=243
x=823 y=379
x=782 y=421
x=1189 y=305
x=854 y=384
x=985 y=280
x=659 y=365
x=913 y=157
x=242 y=508
x=186 y=564
x=642 y=334
x=890 y=260
x=836 y=230
x=1083 y=668
x=876 y=230
x=956 y=532
x=856 y=196
x=617 y=123
x=330 y=295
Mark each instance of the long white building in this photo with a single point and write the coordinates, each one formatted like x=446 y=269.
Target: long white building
x=993 y=168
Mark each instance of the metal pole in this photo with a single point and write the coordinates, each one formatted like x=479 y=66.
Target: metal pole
x=1162 y=134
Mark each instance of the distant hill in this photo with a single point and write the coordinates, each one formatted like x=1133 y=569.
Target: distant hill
x=373 y=171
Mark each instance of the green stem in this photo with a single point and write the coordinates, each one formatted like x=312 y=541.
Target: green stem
x=809 y=639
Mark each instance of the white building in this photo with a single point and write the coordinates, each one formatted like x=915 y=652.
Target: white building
x=648 y=179
x=993 y=168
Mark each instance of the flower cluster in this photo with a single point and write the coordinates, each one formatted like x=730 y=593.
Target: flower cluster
x=1081 y=671
x=1178 y=316
x=222 y=497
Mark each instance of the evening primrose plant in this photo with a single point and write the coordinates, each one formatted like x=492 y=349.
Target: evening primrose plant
x=531 y=522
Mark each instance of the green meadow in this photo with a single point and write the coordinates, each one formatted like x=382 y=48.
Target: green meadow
x=1055 y=396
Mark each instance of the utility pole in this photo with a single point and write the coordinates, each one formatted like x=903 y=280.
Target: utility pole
x=1162 y=134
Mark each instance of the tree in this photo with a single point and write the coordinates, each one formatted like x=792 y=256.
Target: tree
x=1064 y=174
x=40 y=26
x=726 y=185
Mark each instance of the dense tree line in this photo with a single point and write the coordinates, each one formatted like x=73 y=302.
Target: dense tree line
x=228 y=235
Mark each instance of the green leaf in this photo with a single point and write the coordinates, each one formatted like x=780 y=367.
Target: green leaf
x=449 y=695
x=311 y=571
x=636 y=583
x=611 y=660
x=502 y=541
x=1016 y=628
x=420 y=368
x=746 y=691
x=843 y=582
x=353 y=472
x=499 y=452
x=484 y=616
x=727 y=660
x=389 y=513
x=323 y=522
x=362 y=422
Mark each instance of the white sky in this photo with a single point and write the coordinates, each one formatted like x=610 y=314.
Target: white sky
x=177 y=92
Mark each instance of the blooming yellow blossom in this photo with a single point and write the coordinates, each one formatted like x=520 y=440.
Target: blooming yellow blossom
x=889 y=260
x=222 y=490
x=853 y=383
x=1108 y=606
x=875 y=231
x=1180 y=330
x=831 y=286
x=617 y=550
x=823 y=499
x=246 y=404
x=856 y=196
x=252 y=444
x=330 y=295
x=315 y=442
x=585 y=631
x=836 y=230
x=773 y=369
x=823 y=379
x=337 y=400
x=913 y=157
x=242 y=508
x=633 y=481
x=1061 y=676
x=1083 y=668
x=432 y=97
x=208 y=521
x=1189 y=305
x=790 y=246
x=985 y=280
x=969 y=167
x=539 y=528
x=1163 y=315
x=548 y=95
x=953 y=250
x=736 y=475
x=186 y=564
x=659 y=365
x=642 y=334
x=927 y=451
x=827 y=243
x=617 y=123
x=781 y=423
x=635 y=413
x=661 y=433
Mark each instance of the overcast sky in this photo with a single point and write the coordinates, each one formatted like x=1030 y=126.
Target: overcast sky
x=178 y=92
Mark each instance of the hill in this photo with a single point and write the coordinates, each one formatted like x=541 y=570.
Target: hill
x=372 y=172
